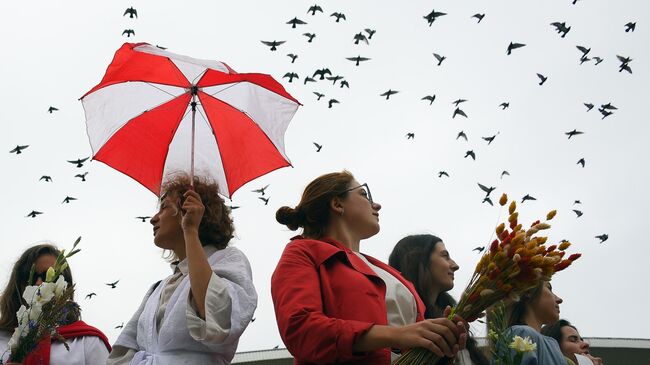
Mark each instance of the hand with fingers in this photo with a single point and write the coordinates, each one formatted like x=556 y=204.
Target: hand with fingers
x=192 y=209
x=440 y=336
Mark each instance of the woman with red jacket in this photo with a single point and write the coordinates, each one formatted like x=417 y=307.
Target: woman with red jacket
x=336 y=305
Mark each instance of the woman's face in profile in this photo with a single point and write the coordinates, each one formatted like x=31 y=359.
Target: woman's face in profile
x=442 y=268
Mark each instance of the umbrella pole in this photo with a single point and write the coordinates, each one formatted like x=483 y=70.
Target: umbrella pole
x=194 y=92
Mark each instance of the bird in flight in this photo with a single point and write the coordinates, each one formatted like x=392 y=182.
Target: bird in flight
x=143 y=218
x=542 y=79
x=513 y=46
x=504 y=173
x=589 y=106
x=504 y=105
x=410 y=135
x=338 y=16
x=313 y=9
x=319 y=95
x=624 y=63
x=265 y=200
x=19 y=149
x=432 y=16
x=318 y=146
x=527 y=197
x=458 y=101
x=345 y=83
x=490 y=138
x=46 y=178
x=471 y=154
x=442 y=173
x=460 y=112
x=357 y=59
x=629 y=27
x=370 y=32
x=322 y=72
x=360 y=37
x=51 y=109
x=131 y=12
x=388 y=93
x=295 y=21
x=310 y=36
x=573 y=133
x=120 y=326
x=431 y=98
x=603 y=237
x=334 y=79
x=439 y=58
x=82 y=176
x=578 y=213
x=561 y=28
x=479 y=17
x=479 y=249
x=487 y=200
x=291 y=76
x=308 y=79
x=332 y=102
x=461 y=134
x=261 y=190
x=487 y=190
x=273 y=44
x=90 y=296
x=79 y=162
x=113 y=285
x=128 y=32
x=68 y=199
x=293 y=57
x=581 y=162
x=33 y=214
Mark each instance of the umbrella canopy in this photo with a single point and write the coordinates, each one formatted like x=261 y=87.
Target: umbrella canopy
x=156 y=112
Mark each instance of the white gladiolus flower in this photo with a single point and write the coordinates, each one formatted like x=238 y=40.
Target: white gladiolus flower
x=60 y=286
x=523 y=344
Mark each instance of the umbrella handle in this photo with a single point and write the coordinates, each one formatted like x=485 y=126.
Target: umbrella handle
x=193 y=131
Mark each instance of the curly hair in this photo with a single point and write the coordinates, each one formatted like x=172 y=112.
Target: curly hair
x=313 y=211
x=216 y=227
x=12 y=295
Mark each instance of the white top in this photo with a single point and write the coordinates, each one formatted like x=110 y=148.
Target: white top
x=166 y=328
x=87 y=350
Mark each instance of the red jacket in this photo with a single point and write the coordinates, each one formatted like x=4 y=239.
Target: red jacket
x=325 y=297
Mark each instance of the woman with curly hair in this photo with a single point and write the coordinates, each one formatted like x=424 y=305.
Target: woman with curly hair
x=425 y=261
x=197 y=314
x=87 y=344
x=334 y=304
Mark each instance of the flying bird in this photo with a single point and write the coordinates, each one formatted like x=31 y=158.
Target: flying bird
x=90 y=296
x=490 y=138
x=295 y=21
x=82 y=176
x=589 y=106
x=410 y=135
x=624 y=63
x=442 y=173
x=291 y=76
x=487 y=190
x=345 y=83
x=357 y=59
x=458 y=101
x=431 y=98
x=113 y=285
x=319 y=95
x=388 y=93
x=308 y=79
x=318 y=146
x=338 y=16
x=313 y=9
x=487 y=200
x=265 y=200
x=120 y=326
x=578 y=213
x=561 y=28
x=542 y=79
x=128 y=32
x=479 y=249
x=68 y=199
x=332 y=102
x=431 y=17
x=310 y=36
x=79 y=162
x=261 y=190
x=46 y=178
x=439 y=58
x=461 y=134
x=598 y=60
x=143 y=218
x=527 y=197
x=360 y=37
x=504 y=106
x=33 y=213
x=629 y=27
x=608 y=106
x=51 y=109
x=131 y=12
x=573 y=133
x=322 y=72
x=581 y=162
x=19 y=149
x=273 y=44
x=479 y=17
x=584 y=50
x=512 y=46
x=577 y=202
x=370 y=32
x=334 y=79
x=458 y=111
x=603 y=237
x=471 y=154
x=606 y=113
x=504 y=173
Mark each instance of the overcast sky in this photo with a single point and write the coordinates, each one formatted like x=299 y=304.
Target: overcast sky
x=55 y=51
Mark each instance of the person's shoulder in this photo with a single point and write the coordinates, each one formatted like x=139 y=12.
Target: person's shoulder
x=525 y=331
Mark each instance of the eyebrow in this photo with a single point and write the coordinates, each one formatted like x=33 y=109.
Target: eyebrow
x=574 y=338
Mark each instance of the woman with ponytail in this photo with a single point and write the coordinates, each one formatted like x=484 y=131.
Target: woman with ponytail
x=334 y=304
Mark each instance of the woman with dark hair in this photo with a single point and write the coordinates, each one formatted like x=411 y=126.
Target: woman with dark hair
x=88 y=345
x=336 y=305
x=424 y=260
x=526 y=316
x=197 y=314
x=573 y=346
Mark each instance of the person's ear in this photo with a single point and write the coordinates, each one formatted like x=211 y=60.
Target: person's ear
x=336 y=206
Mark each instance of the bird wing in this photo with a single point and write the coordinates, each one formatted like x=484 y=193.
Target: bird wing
x=483 y=187
x=516 y=45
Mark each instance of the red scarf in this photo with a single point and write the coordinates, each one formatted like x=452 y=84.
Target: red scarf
x=41 y=353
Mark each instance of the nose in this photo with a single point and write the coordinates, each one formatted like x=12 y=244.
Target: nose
x=153 y=219
x=558 y=300
x=584 y=346
x=376 y=206
x=454 y=265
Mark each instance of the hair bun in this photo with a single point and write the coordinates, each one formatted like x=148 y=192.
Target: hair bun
x=290 y=217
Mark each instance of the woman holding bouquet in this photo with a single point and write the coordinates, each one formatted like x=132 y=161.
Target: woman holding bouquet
x=425 y=261
x=336 y=305
x=88 y=345
x=197 y=314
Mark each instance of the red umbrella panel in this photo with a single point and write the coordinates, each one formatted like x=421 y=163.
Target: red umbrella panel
x=155 y=113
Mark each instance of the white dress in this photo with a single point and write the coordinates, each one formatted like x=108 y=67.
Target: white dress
x=87 y=350
x=167 y=330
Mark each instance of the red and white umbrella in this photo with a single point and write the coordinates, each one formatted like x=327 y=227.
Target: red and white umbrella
x=156 y=112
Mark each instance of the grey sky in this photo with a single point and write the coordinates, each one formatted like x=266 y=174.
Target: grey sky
x=53 y=52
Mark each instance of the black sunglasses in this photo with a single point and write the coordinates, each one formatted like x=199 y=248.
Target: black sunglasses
x=365 y=187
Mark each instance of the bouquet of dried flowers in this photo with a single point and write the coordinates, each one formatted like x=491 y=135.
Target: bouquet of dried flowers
x=48 y=307
x=517 y=261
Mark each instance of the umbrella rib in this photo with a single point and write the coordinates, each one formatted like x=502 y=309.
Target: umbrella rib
x=156 y=87
x=226 y=88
